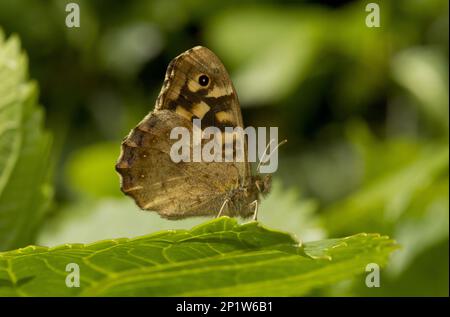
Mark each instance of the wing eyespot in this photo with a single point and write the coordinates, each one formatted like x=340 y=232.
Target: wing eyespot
x=203 y=80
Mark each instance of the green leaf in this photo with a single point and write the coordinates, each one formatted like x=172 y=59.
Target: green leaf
x=423 y=72
x=97 y=160
x=265 y=73
x=91 y=220
x=396 y=172
x=217 y=258
x=24 y=150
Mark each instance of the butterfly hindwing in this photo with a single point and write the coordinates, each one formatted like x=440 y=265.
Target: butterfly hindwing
x=175 y=190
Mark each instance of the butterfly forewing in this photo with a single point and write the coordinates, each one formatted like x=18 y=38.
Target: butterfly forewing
x=216 y=104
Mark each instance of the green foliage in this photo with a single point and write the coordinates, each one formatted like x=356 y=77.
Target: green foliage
x=387 y=195
x=24 y=151
x=91 y=220
x=420 y=71
x=93 y=177
x=404 y=193
x=117 y=217
x=218 y=258
x=365 y=111
x=281 y=66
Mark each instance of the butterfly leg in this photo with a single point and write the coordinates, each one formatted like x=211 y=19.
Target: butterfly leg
x=255 y=213
x=222 y=208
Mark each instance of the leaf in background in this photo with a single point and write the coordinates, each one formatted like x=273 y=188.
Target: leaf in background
x=90 y=170
x=378 y=201
x=217 y=258
x=424 y=73
x=404 y=194
x=293 y=213
x=395 y=171
x=24 y=151
x=425 y=226
x=355 y=50
x=272 y=48
x=93 y=219
x=326 y=172
x=126 y=49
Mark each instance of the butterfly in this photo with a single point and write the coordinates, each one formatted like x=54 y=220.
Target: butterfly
x=196 y=86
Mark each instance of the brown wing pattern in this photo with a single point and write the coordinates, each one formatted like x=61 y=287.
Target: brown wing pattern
x=177 y=190
x=216 y=104
x=174 y=190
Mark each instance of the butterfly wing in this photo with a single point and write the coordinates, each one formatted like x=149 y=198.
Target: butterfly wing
x=216 y=104
x=150 y=176
x=174 y=190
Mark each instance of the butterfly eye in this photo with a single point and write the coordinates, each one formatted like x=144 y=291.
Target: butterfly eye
x=203 y=80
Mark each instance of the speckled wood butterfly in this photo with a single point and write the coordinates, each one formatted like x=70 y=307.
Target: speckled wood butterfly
x=196 y=86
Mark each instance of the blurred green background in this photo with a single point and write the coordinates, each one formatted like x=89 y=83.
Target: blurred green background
x=365 y=111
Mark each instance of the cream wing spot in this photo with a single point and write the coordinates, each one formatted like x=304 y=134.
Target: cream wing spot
x=194 y=86
x=183 y=112
x=200 y=109
x=218 y=91
x=223 y=116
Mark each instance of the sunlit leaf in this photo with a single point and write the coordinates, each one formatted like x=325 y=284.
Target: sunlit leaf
x=218 y=258
x=24 y=155
x=274 y=57
x=99 y=218
x=90 y=170
x=423 y=72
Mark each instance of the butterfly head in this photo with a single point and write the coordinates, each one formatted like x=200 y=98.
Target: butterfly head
x=263 y=183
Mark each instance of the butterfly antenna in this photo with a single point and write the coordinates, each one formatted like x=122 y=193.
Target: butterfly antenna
x=264 y=155
x=265 y=151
